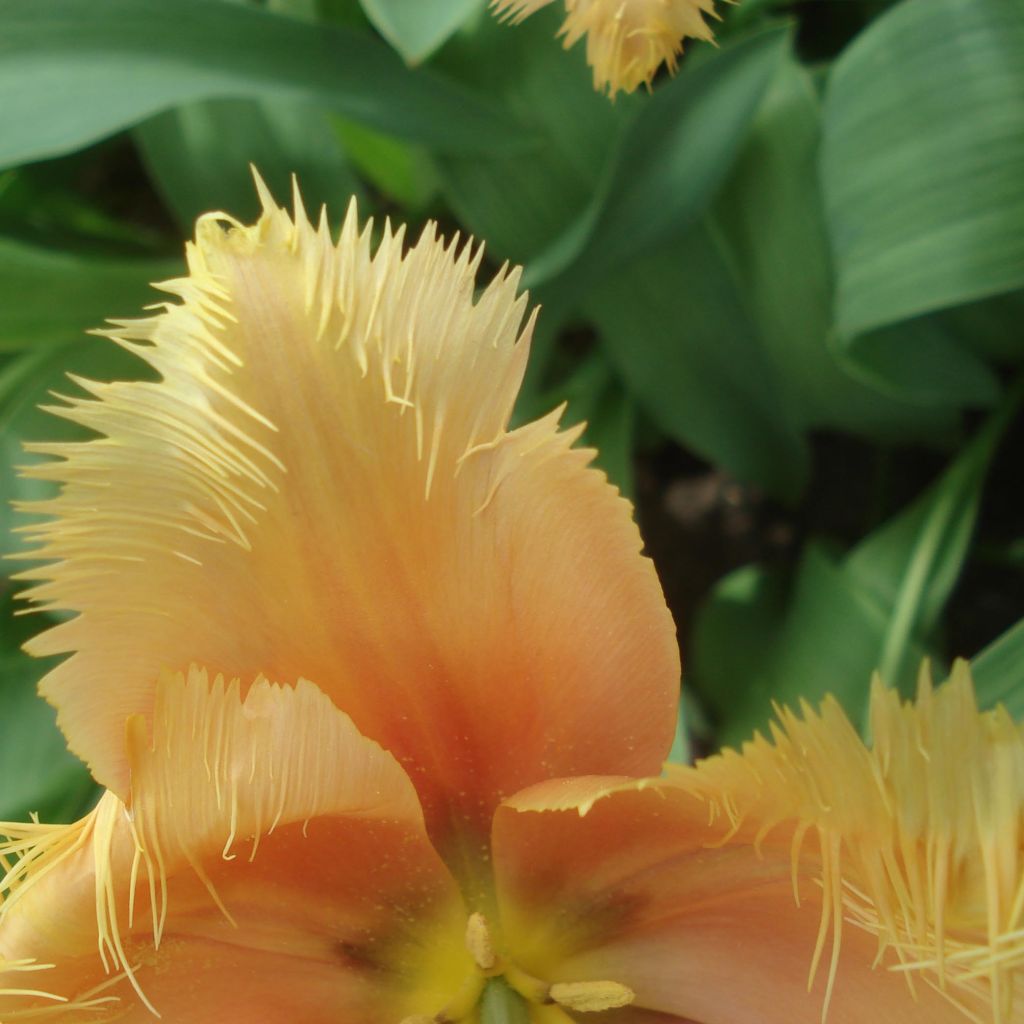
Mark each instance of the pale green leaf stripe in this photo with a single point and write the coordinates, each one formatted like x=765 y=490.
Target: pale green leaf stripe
x=923 y=160
x=74 y=71
x=49 y=297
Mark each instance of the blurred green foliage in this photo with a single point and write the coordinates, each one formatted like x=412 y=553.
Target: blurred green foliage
x=806 y=248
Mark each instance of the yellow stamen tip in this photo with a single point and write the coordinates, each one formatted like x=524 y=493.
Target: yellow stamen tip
x=479 y=942
x=591 y=996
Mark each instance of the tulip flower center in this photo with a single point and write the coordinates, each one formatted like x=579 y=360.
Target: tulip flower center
x=499 y=989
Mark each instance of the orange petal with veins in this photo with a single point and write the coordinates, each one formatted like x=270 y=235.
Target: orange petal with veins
x=270 y=866
x=322 y=484
x=906 y=858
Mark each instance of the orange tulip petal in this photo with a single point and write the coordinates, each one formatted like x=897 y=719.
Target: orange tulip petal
x=271 y=865
x=906 y=858
x=322 y=485
x=630 y=892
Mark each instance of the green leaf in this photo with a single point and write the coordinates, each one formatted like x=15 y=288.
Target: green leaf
x=49 y=297
x=198 y=156
x=39 y=773
x=669 y=162
x=914 y=561
x=416 y=28
x=675 y=326
x=840 y=620
x=73 y=71
x=923 y=160
x=927 y=360
x=761 y=638
x=735 y=637
x=772 y=221
x=400 y=171
x=520 y=202
x=998 y=672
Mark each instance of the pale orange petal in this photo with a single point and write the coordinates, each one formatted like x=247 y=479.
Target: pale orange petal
x=630 y=892
x=271 y=866
x=322 y=485
x=906 y=858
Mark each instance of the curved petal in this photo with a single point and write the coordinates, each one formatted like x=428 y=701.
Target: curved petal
x=627 y=40
x=271 y=866
x=322 y=485
x=906 y=859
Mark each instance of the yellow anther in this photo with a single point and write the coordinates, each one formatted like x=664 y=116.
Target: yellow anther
x=591 y=996
x=479 y=942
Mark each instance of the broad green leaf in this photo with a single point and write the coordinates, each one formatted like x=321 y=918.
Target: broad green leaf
x=416 y=28
x=49 y=297
x=38 y=772
x=772 y=222
x=400 y=171
x=733 y=649
x=305 y=9
x=676 y=327
x=923 y=160
x=96 y=66
x=519 y=202
x=992 y=326
x=999 y=672
x=927 y=360
x=198 y=156
x=942 y=359
x=673 y=156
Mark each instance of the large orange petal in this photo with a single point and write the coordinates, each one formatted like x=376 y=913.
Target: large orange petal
x=906 y=859
x=322 y=485
x=271 y=866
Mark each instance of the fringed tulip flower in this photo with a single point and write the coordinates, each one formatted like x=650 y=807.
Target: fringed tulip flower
x=379 y=690
x=627 y=40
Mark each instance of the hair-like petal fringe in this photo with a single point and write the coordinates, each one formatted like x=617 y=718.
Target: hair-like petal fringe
x=322 y=483
x=920 y=836
x=218 y=771
x=627 y=40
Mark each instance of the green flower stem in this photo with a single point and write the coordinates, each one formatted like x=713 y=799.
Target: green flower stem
x=501 y=1005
